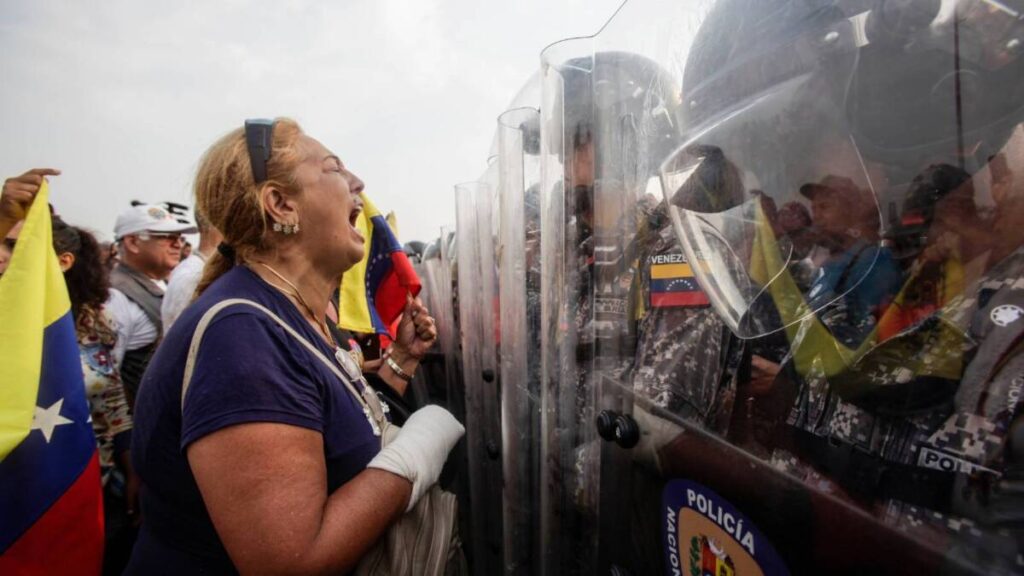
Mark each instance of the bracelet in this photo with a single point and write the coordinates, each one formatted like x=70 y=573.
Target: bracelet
x=397 y=369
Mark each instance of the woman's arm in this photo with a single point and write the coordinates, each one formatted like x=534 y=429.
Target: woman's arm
x=415 y=335
x=265 y=487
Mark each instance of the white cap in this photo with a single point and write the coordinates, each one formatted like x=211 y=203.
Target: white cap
x=149 y=218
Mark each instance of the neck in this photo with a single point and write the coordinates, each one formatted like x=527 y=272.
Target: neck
x=208 y=243
x=315 y=286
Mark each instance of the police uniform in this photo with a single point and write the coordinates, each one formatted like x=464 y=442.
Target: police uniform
x=936 y=472
x=685 y=354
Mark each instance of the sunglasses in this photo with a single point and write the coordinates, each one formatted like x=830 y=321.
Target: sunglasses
x=172 y=237
x=259 y=133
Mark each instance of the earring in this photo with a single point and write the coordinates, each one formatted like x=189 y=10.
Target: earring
x=286 y=228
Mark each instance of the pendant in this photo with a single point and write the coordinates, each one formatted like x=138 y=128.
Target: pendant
x=348 y=365
x=373 y=407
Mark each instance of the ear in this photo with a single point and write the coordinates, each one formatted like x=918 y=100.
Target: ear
x=67 y=260
x=129 y=244
x=279 y=207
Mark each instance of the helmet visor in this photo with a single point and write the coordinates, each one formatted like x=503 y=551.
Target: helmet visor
x=779 y=228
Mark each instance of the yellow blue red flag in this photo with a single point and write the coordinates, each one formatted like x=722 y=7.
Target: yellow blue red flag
x=51 y=508
x=374 y=291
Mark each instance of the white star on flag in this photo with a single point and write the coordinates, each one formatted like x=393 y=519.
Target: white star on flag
x=46 y=419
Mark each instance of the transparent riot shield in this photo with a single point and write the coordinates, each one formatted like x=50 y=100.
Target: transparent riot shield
x=490 y=343
x=781 y=267
x=604 y=137
x=476 y=325
x=518 y=261
x=446 y=386
x=436 y=296
x=438 y=265
x=568 y=543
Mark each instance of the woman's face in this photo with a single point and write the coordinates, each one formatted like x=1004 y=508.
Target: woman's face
x=329 y=208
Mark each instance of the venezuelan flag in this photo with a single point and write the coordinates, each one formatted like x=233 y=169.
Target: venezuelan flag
x=814 y=346
x=674 y=285
x=51 y=507
x=373 y=292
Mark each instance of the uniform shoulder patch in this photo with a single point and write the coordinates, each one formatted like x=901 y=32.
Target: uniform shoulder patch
x=672 y=283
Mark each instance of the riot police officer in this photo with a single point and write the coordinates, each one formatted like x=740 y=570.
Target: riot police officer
x=915 y=419
x=629 y=334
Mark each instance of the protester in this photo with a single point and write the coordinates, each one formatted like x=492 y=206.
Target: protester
x=109 y=255
x=88 y=287
x=266 y=462
x=149 y=241
x=186 y=275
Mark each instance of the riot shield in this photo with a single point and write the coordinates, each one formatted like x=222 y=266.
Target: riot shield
x=518 y=261
x=603 y=137
x=568 y=543
x=439 y=272
x=489 y=341
x=781 y=261
x=476 y=325
x=436 y=296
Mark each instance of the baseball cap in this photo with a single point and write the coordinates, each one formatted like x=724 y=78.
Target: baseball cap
x=149 y=218
x=832 y=183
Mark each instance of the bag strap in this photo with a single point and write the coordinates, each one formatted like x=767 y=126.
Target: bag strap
x=204 y=323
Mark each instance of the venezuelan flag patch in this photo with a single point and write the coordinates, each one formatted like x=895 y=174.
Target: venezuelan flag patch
x=672 y=283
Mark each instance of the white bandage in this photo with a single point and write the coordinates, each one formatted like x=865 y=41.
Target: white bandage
x=419 y=451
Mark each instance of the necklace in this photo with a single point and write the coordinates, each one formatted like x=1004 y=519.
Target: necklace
x=294 y=292
x=374 y=408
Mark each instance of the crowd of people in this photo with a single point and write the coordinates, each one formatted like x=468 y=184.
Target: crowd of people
x=747 y=262
x=248 y=432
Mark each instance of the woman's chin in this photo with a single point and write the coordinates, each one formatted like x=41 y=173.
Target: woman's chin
x=353 y=257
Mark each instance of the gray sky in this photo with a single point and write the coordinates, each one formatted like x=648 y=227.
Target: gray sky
x=124 y=96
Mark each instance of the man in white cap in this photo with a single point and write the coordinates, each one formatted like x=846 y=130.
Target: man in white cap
x=149 y=242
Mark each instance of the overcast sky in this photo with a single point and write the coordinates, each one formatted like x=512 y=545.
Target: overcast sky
x=124 y=96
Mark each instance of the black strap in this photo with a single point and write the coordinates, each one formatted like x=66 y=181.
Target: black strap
x=133 y=367
x=871 y=477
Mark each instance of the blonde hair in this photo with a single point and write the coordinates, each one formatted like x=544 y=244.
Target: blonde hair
x=228 y=197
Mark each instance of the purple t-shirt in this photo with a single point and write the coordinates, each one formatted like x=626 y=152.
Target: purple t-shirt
x=248 y=369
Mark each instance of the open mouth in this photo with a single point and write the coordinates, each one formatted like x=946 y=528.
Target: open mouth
x=353 y=217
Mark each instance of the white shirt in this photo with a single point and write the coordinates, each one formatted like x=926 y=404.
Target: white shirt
x=181 y=287
x=134 y=329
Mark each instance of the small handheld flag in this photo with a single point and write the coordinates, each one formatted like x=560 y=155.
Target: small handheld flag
x=374 y=291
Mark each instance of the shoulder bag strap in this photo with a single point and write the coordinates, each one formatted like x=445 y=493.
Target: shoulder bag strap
x=204 y=323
